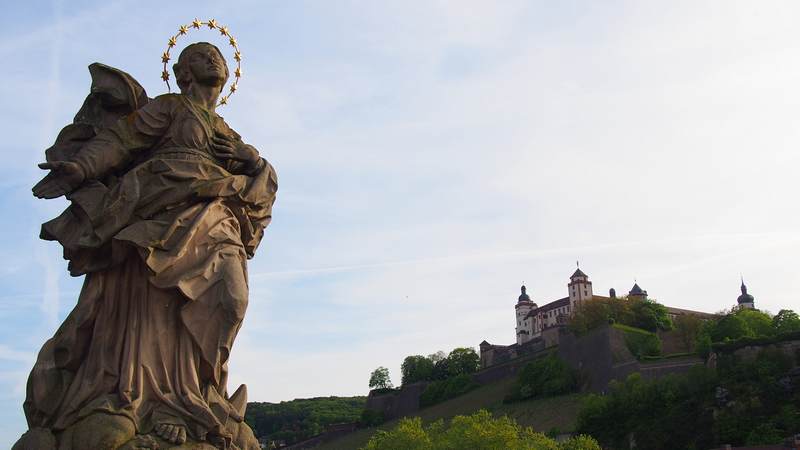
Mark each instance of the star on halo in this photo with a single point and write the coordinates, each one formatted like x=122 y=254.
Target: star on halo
x=224 y=31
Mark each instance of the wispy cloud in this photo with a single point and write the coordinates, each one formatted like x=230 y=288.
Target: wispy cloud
x=434 y=155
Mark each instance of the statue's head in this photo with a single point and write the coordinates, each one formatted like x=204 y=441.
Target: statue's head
x=202 y=63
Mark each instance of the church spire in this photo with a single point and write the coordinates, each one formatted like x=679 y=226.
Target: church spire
x=745 y=300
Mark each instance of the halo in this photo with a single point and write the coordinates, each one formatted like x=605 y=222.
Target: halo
x=211 y=24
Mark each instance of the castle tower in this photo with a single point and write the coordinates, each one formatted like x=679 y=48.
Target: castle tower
x=637 y=293
x=524 y=328
x=580 y=289
x=745 y=300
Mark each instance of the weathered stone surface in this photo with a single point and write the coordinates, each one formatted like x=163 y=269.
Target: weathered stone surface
x=100 y=432
x=36 y=439
x=167 y=205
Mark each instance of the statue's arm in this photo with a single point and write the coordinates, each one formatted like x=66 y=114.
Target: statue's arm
x=115 y=147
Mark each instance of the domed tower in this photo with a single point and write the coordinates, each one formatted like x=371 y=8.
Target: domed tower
x=580 y=289
x=745 y=300
x=524 y=328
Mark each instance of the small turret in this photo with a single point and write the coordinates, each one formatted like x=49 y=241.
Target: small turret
x=637 y=292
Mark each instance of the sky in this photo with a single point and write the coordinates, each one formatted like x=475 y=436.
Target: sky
x=433 y=156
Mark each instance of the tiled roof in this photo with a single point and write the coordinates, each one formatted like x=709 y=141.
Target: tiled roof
x=636 y=290
x=681 y=311
x=578 y=273
x=549 y=307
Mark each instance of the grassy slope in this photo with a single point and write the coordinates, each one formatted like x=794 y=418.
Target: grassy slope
x=542 y=415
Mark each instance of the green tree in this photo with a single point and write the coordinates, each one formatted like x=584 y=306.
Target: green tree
x=379 y=379
x=741 y=401
x=758 y=322
x=479 y=431
x=729 y=327
x=463 y=361
x=416 y=368
x=407 y=435
x=441 y=390
x=786 y=321
x=438 y=356
x=544 y=377
x=580 y=442
x=595 y=314
x=300 y=419
x=703 y=345
x=649 y=315
x=688 y=327
x=765 y=433
x=646 y=314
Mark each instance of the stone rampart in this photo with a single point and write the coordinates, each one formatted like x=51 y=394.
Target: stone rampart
x=398 y=403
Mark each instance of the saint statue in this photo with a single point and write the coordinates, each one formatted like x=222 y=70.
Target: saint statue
x=167 y=203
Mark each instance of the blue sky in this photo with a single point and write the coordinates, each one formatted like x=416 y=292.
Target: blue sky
x=434 y=155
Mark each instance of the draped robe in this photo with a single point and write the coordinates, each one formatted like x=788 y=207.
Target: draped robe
x=162 y=230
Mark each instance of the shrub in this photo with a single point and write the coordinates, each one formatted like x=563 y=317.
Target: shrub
x=703 y=345
x=640 y=342
x=407 y=435
x=580 y=442
x=646 y=314
x=479 y=431
x=742 y=401
x=732 y=345
x=439 y=391
x=544 y=377
x=300 y=419
x=764 y=433
x=370 y=418
x=688 y=327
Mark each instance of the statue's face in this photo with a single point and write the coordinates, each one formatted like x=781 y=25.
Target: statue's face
x=207 y=66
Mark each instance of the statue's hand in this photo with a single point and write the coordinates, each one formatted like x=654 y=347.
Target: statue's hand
x=64 y=177
x=226 y=148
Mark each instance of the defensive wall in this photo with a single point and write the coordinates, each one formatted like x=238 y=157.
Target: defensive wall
x=601 y=356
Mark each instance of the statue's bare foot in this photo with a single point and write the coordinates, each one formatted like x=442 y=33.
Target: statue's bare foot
x=141 y=442
x=175 y=434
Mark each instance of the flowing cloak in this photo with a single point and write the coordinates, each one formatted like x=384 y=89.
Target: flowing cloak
x=162 y=232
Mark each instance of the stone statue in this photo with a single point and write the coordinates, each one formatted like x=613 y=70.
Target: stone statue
x=167 y=204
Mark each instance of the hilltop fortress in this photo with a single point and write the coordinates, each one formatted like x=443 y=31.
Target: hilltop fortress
x=538 y=327
x=602 y=354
